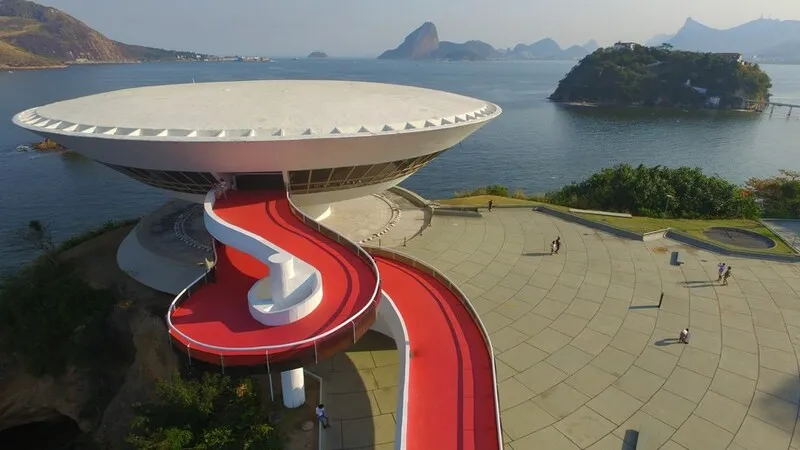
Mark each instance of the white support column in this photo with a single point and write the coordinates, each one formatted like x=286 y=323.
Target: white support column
x=293 y=384
x=280 y=278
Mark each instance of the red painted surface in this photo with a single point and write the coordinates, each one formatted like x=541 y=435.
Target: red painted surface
x=218 y=313
x=451 y=384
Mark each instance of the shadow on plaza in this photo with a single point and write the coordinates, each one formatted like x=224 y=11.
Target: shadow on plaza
x=699 y=283
x=537 y=254
x=349 y=391
x=349 y=400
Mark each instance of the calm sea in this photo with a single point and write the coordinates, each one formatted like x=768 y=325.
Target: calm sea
x=534 y=145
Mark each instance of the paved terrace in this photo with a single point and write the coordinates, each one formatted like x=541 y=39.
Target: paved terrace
x=583 y=355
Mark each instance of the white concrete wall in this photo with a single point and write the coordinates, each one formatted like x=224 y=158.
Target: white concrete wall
x=262 y=156
x=389 y=322
x=321 y=198
x=308 y=279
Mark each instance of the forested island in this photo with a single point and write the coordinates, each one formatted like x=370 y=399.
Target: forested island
x=635 y=75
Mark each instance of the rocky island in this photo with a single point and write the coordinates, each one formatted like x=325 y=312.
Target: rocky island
x=318 y=55
x=423 y=43
x=33 y=36
x=628 y=74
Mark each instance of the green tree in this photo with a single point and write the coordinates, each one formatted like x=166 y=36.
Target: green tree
x=644 y=191
x=210 y=413
x=51 y=318
x=779 y=196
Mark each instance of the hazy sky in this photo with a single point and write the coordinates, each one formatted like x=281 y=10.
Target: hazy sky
x=367 y=27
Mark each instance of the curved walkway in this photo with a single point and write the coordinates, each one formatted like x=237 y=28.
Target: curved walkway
x=451 y=402
x=584 y=354
x=217 y=314
x=451 y=386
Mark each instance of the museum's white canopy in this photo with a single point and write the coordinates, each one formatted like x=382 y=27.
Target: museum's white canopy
x=257 y=110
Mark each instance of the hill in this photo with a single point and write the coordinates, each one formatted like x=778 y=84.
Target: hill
x=317 y=54
x=33 y=35
x=657 y=76
x=760 y=39
x=424 y=43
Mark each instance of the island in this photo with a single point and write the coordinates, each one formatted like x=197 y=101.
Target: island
x=423 y=43
x=629 y=74
x=33 y=36
x=318 y=55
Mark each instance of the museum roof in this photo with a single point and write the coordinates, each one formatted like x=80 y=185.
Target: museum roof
x=257 y=110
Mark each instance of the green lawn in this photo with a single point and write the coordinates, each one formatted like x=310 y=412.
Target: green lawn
x=693 y=228
x=639 y=225
x=483 y=201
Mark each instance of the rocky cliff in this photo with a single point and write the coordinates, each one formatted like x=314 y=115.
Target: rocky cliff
x=98 y=399
x=420 y=44
x=36 y=35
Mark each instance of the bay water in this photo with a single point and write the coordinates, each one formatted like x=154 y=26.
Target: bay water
x=535 y=145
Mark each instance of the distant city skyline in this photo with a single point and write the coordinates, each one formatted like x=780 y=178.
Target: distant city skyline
x=353 y=28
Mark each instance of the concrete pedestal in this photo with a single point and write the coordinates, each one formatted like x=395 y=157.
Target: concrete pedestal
x=293 y=384
x=280 y=278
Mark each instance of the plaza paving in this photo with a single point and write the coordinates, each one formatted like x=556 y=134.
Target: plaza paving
x=583 y=355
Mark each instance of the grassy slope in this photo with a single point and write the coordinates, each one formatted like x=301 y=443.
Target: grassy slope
x=483 y=200
x=694 y=228
x=14 y=57
x=640 y=225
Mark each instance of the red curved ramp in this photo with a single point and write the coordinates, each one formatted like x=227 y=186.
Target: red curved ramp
x=451 y=403
x=217 y=314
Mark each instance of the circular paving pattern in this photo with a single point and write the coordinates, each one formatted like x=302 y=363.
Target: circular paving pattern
x=739 y=237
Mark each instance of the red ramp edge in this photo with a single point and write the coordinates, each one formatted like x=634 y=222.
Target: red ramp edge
x=211 y=320
x=452 y=389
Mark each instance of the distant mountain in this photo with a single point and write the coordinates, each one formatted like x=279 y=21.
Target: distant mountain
x=750 y=38
x=424 y=43
x=591 y=46
x=787 y=52
x=659 y=39
x=420 y=44
x=548 y=49
x=33 y=35
x=318 y=55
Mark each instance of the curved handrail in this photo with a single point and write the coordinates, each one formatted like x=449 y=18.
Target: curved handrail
x=405 y=362
x=395 y=255
x=328 y=232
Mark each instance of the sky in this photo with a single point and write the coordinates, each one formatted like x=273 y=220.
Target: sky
x=365 y=28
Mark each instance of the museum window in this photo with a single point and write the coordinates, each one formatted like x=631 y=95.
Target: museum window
x=319 y=180
x=186 y=182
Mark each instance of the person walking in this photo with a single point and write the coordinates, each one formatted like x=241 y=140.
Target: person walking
x=491 y=205
x=727 y=275
x=558 y=244
x=321 y=416
x=721 y=270
x=684 y=336
x=553 y=247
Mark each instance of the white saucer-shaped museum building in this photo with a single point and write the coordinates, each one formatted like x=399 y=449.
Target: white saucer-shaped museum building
x=328 y=140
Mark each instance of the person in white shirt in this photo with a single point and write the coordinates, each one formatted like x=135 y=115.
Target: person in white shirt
x=321 y=417
x=684 y=336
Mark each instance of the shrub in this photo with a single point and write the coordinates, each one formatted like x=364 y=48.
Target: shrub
x=50 y=317
x=210 y=413
x=657 y=191
x=494 y=189
x=779 y=196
